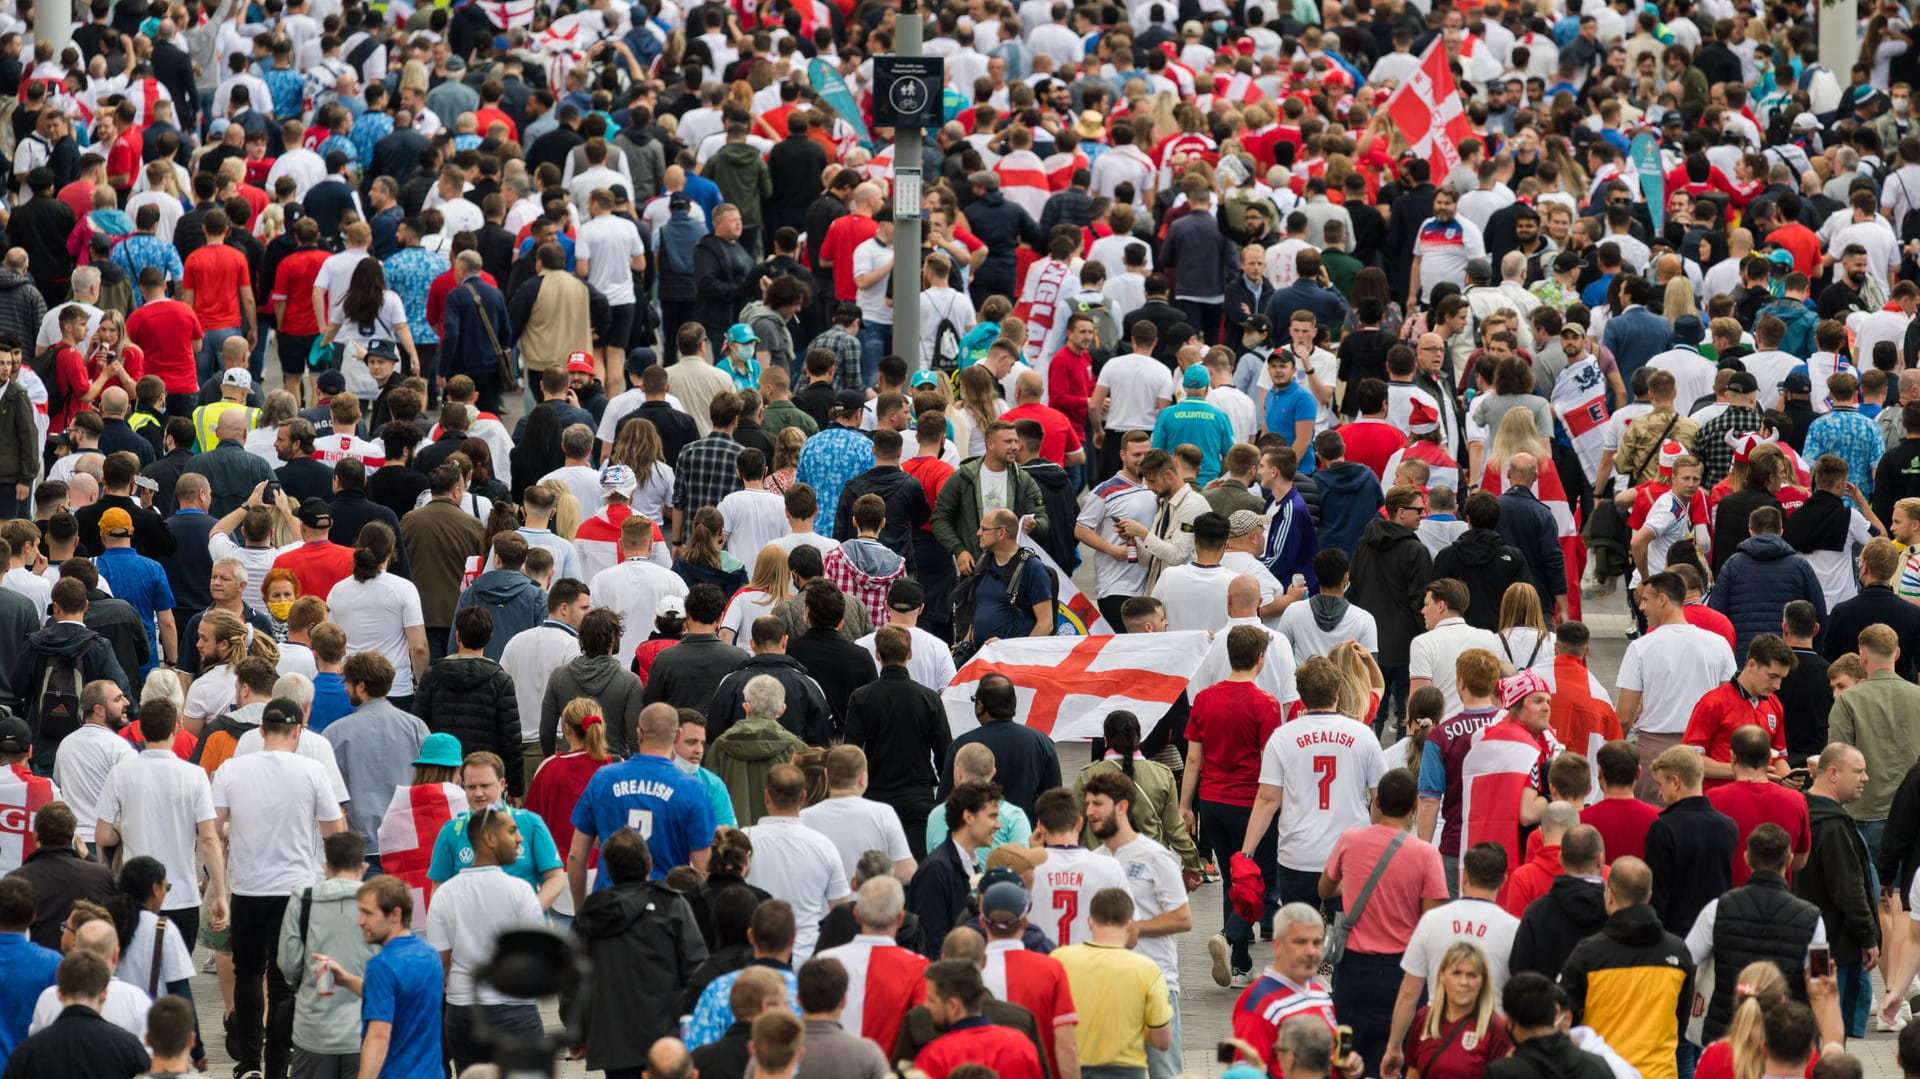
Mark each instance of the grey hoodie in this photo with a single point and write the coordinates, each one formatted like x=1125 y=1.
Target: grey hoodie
x=606 y=680
x=324 y=1025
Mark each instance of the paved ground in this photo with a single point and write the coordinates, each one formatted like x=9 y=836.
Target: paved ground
x=1205 y=1007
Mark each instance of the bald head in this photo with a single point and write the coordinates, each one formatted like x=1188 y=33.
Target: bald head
x=99 y=938
x=1243 y=596
x=1522 y=469
x=1910 y=384
x=1740 y=242
x=669 y=1059
x=1001 y=519
x=231 y=424
x=1028 y=388
x=114 y=403
x=1432 y=340
x=964 y=943
x=659 y=723
x=1629 y=882
x=1554 y=823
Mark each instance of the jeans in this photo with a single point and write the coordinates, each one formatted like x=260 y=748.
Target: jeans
x=1686 y=1058
x=210 y=347
x=11 y=507
x=255 y=941
x=1300 y=886
x=1856 y=997
x=1365 y=986
x=1222 y=829
x=876 y=340
x=1166 y=1065
x=471 y=1039
x=1205 y=318
x=1872 y=832
x=913 y=810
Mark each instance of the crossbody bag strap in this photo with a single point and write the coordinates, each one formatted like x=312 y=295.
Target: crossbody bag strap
x=159 y=949
x=485 y=322
x=1373 y=878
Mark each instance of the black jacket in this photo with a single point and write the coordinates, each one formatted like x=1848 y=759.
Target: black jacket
x=1001 y=225
x=676 y=428
x=303 y=478
x=472 y=698
x=907 y=508
x=1690 y=848
x=1025 y=761
x=720 y=280
x=80 y=1042
x=59 y=876
x=1637 y=972
x=191 y=565
x=937 y=895
x=1482 y=560
x=352 y=511
x=1391 y=568
x=150 y=534
x=62 y=642
x=839 y=927
x=1874 y=603
x=1836 y=880
x=808 y=715
x=117 y=621
x=838 y=664
x=687 y=674
x=644 y=945
x=1572 y=910
x=1552 y=1055
x=727 y=1058
x=795 y=164
x=1363 y=355
x=1528 y=526
x=1760 y=920
x=902 y=726
x=1062 y=503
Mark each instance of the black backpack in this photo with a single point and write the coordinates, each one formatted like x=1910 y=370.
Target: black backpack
x=57 y=701
x=966 y=594
x=43 y=365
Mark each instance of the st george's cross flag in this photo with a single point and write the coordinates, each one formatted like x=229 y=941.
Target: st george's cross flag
x=1504 y=762
x=1427 y=112
x=22 y=794
x=408 y=831
x=1583 y=715
x=1067 y=685
x=1580 y=400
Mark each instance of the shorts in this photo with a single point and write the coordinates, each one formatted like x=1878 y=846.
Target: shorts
x=619 y=326
x=219 y=940
x=294 y=350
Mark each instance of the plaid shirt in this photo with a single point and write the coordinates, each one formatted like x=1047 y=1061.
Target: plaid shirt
x=1846 y=433
x=860 y=586
x=846 y=354
x=1710 y=442
x=705 y=473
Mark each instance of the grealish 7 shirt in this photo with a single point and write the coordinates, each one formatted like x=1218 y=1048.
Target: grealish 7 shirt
x=668 y=807
x=1325 y=765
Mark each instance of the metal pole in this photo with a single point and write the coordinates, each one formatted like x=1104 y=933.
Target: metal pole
x=908 y=26
x=53 y=22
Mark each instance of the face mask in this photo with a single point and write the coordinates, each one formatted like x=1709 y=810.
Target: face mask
x=1900 y=105
x=1219 y=26
x=280 y=609
x=685 y=765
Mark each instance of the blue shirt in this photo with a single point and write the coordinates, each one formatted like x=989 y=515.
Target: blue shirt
x=369 y=128
x=143 y=584
x=565 y=241
x=995 y=610
x=329 y=700
x=714 y=1012
x=453 y=851
x=830 y=459
x=29 y=970
x=287 y=88
x=1290 y=406
x=1845 y=432
x=410 y=274
x=1203 y=425
x=649 y=794
x=144 y=249
x=404 y=987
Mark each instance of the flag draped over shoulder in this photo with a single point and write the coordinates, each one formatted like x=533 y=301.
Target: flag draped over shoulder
x=1428 y=114
x=1502 y=764
x=1074 y=613
x=1580 y=400
x=1583 y=716
x=1067 y=685
x=22 y=794
x=407 y=833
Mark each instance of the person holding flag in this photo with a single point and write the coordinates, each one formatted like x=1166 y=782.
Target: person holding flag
x=1504 y=772
x=419 y=811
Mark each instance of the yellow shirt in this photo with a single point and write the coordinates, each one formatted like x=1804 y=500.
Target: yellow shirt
x=1119 y=996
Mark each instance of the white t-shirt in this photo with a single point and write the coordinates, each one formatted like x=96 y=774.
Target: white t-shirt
x=1115 y=499
x=335 y=275
x=1154 y=881
x=745 y=606
x=467 y=917
x=1672 y=667
x=87 y=757
x=1309 y=640
x=1136 y=385
x=868 y=257
x=755 y=517
x=273 y=800
x=1433 y=653
x=376 y=615
x=1241 y=562
x=584 y=482
x=1476 y=921
x=1325 y=765
x=608 y=244
x=297 y=658
x=136 y=959
x=157 y=801
x=313 y=747
x=815 y=540
x=1195 y=595
x=633 y=588
x=1063 y=889
x=127 y=1005
x=857 y=825
x=931 y=661
x=1770 y=368
x=37 y=589
x=1276 y=677
x=993 y=490
x=795 y=863
x=210 y=694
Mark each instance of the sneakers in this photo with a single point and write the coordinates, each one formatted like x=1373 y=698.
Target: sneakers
x=1242 y=979
x=1900 y=1021
x=1220 y=952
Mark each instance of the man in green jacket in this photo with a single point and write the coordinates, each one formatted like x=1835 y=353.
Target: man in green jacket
x=992 y=481
x=19 y=437
x=751 y=747
x=741 y=174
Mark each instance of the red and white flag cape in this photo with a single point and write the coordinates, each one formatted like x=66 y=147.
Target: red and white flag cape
x=1442 y=469
x=1067 y=685
x=884 y=982
x=1553 y=495
x=1503 y=763
x=21 y=795
x=1583 y=715
x=1083 y=617
x=407 y=833
x=1428 y=113
x=597 y=541
x=1580 y=400
x=1023 y=181
x=1046 y=281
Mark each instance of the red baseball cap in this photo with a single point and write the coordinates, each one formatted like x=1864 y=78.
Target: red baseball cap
x=581 y=362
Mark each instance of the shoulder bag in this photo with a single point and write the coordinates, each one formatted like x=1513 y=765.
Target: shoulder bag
x=503 y=360
x=1343 y=925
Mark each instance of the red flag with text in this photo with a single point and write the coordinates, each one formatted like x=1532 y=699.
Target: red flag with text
x=1428 y=113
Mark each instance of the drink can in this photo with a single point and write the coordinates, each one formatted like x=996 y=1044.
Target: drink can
x=1299 y=580
x=322 y=976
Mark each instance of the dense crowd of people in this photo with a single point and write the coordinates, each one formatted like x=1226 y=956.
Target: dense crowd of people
x=597 y=559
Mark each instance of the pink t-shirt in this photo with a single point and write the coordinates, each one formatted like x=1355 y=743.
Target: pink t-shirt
x=1394 y=907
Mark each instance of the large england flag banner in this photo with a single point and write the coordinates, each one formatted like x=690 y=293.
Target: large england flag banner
x=1503 y=763
x=408 y=831
x=1427 y=112
x=1076 y=614
x=1067 y=685
x=1580 y=400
